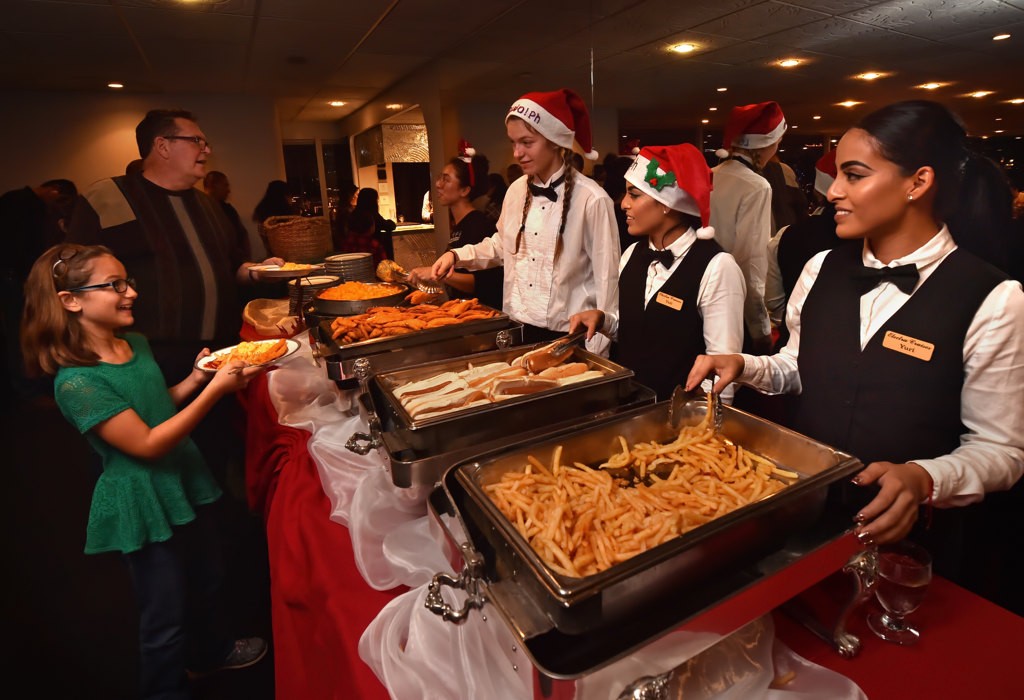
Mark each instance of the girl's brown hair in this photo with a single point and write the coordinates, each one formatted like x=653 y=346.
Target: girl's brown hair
x=51 y=337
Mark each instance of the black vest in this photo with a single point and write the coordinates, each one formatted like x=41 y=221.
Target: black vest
x=881 y=404
x=660 y=343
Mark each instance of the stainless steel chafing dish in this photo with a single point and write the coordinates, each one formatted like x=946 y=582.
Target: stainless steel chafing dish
x=571 y=626
x=348 y=363
x=418 y=452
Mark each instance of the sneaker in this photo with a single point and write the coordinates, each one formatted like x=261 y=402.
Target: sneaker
x=246 y=652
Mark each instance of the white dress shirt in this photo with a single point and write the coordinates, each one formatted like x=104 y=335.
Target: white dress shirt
x=991 y=453
x=540 y=290
x=741 y=214
x=719 y=296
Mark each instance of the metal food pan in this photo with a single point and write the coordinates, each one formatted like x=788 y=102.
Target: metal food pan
x=469 y=427
x=680 y=567
x=409 y=467
x=351 y=307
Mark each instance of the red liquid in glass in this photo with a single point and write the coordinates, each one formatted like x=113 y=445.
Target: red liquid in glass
x=902 y=582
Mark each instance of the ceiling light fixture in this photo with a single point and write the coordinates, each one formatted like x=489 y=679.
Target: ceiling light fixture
x=704 y=121
x=336 y=103
x=1000 y=37
x=712 y=109
x=979 y=93
x=848 y=103
x=115 y=86
x=999 y=131
x=789 y=62
x=871 y=75
x=683 y=48
x=722 y=89
x=394 y=105
x=816 y=116
x=931 y=86
x=1017 y=101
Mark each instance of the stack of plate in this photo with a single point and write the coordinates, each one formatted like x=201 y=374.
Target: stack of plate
x=307 y=288
x=351 y=267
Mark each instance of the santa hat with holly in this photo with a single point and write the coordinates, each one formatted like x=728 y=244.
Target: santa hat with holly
x=678 y=177
x=752 y=127
x=825 y=172
x=560 y=116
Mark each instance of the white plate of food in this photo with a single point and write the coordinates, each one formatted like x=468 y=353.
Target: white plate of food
x=253 y=352
x=287 y=270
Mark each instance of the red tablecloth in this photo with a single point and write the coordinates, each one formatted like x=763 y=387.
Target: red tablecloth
x=321 y=604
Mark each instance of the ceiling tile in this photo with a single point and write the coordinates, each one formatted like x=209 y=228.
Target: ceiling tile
x=757 y=21
x=937 y=20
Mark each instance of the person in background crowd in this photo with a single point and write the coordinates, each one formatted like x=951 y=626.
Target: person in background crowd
x=361 y=236
x=216 y=185
x=495 y=195
x=151 y=502
x=680 y=294
x=275 y=202
x=469 y=225
x=556 y=235
x=789 y=204
x=615 y=168
x=339 y=223
x=31 y=219
x=481 y=169
x=741 y=206
x=513 y=172
x=368 y=200
x=577 y=161
x=788 y=253
x=905 y=351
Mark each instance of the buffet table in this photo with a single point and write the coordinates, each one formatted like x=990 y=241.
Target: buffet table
x=348 y=554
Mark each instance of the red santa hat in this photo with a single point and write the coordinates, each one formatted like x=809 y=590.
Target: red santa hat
x=466 y=153
x=753 y=126
x=560 y=116
x=825 y=172
x=676 y=176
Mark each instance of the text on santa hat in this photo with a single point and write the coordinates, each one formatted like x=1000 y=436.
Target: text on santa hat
x=526 y=113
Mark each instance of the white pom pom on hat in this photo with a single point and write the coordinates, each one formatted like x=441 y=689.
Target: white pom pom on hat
x=560 y=116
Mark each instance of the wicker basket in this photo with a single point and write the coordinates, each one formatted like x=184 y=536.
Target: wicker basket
x=301 y=239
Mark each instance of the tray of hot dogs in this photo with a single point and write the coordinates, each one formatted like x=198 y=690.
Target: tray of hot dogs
x=592 y=540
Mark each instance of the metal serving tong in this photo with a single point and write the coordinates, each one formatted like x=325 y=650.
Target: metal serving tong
x=390 y=271
x=681 y=397
x=552 y=354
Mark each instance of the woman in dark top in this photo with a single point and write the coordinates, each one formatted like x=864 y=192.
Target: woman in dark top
x=469 y=225
x=368 y=200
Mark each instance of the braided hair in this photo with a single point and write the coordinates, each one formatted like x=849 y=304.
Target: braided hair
x=570 y=182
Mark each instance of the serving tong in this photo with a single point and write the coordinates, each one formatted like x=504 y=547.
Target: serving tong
x=556 y=351
x=390 y=271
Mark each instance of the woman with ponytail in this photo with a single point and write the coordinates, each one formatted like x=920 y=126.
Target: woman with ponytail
x=556 y=236
x=906 y=350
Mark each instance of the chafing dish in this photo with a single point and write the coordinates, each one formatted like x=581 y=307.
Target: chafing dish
x=351 y=307
x=571 y=626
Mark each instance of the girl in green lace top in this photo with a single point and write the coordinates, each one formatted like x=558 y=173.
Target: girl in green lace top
x=146 y=504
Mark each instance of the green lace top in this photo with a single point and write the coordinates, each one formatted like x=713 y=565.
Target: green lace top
x=135 y=501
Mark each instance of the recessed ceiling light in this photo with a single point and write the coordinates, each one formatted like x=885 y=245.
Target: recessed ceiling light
x=794 y=126
x=1017 y=101
x=1000 y=37
x=704 y=121
x=872 y=75
x=848 y=103
x=712 y=109
x=722 y=89
x=394 y=105
x=683 y=48
x=115 y=86
x=789 y=62
x=999 y=131
x=931 y=86
x=816 y=116
x=979 y=93
x=999 y=119
x=336 y=103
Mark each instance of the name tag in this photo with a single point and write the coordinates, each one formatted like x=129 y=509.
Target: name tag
x=669 y=301
x=908 y=346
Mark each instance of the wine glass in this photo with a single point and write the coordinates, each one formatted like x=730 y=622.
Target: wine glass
x=904 y=572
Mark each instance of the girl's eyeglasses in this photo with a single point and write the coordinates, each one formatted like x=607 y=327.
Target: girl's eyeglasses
x=119 y=286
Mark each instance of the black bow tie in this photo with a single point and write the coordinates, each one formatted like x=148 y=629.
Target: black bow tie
x=549 y=192
x=904 y=277
x=665 y=257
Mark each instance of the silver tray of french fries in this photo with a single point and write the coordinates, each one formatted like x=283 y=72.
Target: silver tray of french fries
x=593 y=540
x=499 y=397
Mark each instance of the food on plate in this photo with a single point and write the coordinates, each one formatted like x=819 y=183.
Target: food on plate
x=359 y=291
x=581 y=520
x=256 y=352
x=383 y=321
x=483 y=384
x=297 y=266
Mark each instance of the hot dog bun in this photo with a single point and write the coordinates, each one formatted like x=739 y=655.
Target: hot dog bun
x=520 y=386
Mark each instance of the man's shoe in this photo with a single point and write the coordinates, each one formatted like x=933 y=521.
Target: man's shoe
x=246 y=652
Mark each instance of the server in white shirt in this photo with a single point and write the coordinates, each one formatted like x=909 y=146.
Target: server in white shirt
x=906 y=352
x=556 y=236
x=680 y=294
x=741 y=206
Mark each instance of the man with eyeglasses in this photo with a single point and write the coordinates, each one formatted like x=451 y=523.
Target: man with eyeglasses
x=175 y=239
